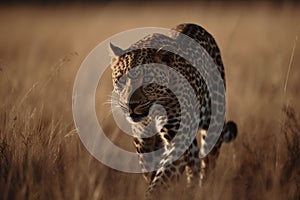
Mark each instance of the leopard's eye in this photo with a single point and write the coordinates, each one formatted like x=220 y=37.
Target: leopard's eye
x=147 y=79
x=134 y=74
x=121 y=81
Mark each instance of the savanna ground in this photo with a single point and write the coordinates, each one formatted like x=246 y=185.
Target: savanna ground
x=41 y=49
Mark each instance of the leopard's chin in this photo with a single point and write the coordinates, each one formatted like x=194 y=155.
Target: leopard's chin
x=134 y=120
x=129 y=119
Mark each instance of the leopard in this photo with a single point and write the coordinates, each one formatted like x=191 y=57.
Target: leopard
x=140 y=89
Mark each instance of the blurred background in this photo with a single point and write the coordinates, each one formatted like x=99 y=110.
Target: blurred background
x=134 y=1
x=43 y=43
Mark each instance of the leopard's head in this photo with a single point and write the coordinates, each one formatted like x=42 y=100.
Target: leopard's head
x=134 y=83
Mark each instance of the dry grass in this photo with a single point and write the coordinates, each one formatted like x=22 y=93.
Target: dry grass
x=41 y=49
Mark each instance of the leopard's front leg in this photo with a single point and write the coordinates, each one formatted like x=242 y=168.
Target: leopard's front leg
x=168 y=174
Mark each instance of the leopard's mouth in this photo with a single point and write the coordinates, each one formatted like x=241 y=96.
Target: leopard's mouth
x=138 y=112
x=137 y=118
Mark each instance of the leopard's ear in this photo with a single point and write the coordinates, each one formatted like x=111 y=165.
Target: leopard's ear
x=117 y=51
x=164 y=56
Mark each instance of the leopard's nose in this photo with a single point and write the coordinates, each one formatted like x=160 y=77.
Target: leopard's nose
x=130 y=111
x=132 y=106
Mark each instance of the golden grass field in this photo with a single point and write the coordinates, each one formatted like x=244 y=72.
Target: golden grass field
x=41 y=49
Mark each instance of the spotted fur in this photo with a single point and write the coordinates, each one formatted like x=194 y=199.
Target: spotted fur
x=137 y=104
